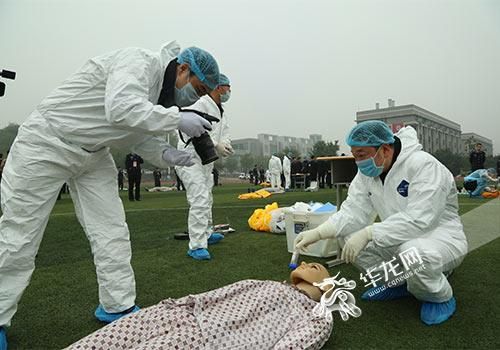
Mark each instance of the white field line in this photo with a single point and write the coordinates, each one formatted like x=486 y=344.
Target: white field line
x=214 y=207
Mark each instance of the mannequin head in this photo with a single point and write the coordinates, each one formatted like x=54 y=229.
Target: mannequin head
x=305 y=275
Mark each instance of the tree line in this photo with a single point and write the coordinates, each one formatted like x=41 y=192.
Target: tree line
x=458 y=164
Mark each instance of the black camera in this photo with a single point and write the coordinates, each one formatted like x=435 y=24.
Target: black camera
x=203 y=145
x=8 y=75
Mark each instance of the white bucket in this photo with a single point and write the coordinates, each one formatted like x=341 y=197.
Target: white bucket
x=296 y=222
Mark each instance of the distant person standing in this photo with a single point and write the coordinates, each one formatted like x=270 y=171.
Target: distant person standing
x=305 y=166
x=322 y=171
x=255 y=175
x=133 y=163
x=64 y=189
x=215 y=173
x=262 y=174
x=157 y=177
x=477 y=158
x=178 y=183
x=296 y=168
x=275 y=168
x=329 y=177
x=312 y=169
x=267 y=175
x=287 y=168
x=120 y=179
x=297 y=165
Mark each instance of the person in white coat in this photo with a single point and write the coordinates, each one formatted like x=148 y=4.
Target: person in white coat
x=275 y=169
x=287 y=165
x=415 y=197
x=127 y=98
x=198 y=178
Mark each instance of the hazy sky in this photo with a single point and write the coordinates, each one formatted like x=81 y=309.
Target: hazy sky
x=297 y=67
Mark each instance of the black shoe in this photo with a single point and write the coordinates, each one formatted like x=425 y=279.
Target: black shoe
x=131 y=199
x=138 y=199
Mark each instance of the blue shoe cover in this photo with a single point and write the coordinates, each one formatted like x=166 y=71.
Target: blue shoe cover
x=199 y=254
x=3 y=339
x=436 y=313
x=108 y=317
x=383 y=293
x=215 y=238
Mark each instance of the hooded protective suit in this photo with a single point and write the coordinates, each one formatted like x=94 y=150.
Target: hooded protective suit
x=418 y=209
x=287 y=165
x=198 y=179
x=275 y=169
x=110 y=101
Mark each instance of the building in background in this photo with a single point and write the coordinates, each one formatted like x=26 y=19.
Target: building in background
x=434 y=132
x=267 y=144
x=469 y=140
x=246 y=146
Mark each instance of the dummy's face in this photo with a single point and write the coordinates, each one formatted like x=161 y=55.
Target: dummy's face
x=478 y=147
x=312 y=272
x=184 y=77
x=305 y=275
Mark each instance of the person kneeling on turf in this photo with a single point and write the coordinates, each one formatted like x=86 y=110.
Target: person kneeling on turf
x=415 y=197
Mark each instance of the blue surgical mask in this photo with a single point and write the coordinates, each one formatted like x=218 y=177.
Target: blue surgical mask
x=225 y=96
x=186 y=95
x=368 y=167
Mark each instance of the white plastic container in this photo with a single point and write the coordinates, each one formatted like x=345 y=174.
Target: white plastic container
x=298 y=221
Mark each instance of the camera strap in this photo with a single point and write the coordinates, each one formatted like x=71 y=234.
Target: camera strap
x=186 y=143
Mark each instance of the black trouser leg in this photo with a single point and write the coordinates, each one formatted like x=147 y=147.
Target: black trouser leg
x=131 y=181
x=138 y=187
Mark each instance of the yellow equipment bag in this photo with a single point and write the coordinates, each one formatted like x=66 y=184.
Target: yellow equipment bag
x=255 y=195
x=260 y=219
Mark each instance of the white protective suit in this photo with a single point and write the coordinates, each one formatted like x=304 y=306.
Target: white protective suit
x=110 y=101
x=418 y=208
x=287 y=166
x=275 y=169
x=198 y=179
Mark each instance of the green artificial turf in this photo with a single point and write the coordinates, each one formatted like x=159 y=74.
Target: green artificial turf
x=57 y=308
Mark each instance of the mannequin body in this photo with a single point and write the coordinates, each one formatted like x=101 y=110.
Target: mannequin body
x=248 y=314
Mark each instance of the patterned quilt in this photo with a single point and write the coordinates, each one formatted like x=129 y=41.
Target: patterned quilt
x=249 y=314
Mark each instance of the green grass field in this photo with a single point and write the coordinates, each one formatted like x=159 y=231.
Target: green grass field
x=57 y=308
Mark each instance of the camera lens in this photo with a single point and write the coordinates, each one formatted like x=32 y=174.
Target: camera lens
x=205 y=148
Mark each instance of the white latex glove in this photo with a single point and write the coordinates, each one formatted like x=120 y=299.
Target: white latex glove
x=224 y=150
x=176 y=157
x=193 y=125
x=356 y=243
x=324 y=231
